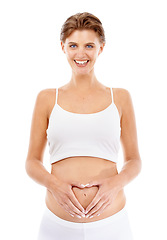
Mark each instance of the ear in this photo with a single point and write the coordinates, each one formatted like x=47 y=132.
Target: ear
x=62 y=46
x=101 y=48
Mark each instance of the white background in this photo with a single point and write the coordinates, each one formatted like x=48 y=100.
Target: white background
x=135 y=58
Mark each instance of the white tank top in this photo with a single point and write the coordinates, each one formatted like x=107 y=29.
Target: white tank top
x=79 y=134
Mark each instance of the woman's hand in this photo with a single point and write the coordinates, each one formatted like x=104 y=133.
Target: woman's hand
x=64 y=195
x=108 y=190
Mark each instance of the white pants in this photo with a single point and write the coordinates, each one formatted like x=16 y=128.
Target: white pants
x=115 y=227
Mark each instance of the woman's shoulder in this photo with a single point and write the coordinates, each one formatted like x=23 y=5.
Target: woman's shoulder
x=121 y=94
x=46 y=98
x=122 y=98
x=122 y=91
x=46 y=95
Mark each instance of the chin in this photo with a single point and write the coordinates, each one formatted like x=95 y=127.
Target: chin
x=83 y=72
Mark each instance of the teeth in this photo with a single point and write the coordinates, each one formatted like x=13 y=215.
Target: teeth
x=81 y=62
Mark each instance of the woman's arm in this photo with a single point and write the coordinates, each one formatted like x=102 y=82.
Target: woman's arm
x=34 y=162
x=61 y=191
x=129 y=142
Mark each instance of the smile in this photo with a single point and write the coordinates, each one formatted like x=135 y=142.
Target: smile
x=81 y=63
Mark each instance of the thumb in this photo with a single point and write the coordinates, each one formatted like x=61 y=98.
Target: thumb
x=77 y=184
x=92 y=183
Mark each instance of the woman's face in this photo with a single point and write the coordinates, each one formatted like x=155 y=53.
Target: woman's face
x=82 y=48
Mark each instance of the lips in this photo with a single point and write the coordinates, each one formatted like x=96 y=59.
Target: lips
x=82 y=63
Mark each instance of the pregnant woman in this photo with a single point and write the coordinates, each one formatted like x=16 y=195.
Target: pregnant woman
x=84 y=122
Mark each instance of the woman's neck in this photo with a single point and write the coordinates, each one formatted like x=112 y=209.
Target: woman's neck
x=83 y=83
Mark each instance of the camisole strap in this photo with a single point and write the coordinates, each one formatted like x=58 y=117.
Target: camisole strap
x=112 y=95
x=56 y=95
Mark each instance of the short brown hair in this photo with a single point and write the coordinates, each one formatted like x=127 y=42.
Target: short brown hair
x=83 y=21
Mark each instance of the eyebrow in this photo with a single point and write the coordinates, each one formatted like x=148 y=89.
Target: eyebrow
x=86 y=43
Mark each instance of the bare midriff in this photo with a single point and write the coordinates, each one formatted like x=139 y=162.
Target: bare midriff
x=83 y=169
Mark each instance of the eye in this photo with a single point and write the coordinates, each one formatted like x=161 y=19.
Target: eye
x=89 y=46
x=72 y=45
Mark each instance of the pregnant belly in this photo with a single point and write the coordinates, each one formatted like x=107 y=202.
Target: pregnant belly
x=84 y=170
x=86 y=195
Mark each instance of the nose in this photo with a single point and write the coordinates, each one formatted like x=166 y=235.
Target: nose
x=80 y=52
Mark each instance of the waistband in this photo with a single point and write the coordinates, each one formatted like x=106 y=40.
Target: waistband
x=98 y=223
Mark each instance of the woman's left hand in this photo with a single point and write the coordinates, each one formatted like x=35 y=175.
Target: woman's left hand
x=108 y=190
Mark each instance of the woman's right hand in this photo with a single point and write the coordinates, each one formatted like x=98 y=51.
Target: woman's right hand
x=65 y=197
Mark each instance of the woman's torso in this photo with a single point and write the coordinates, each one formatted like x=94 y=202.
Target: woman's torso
x=84 y=168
